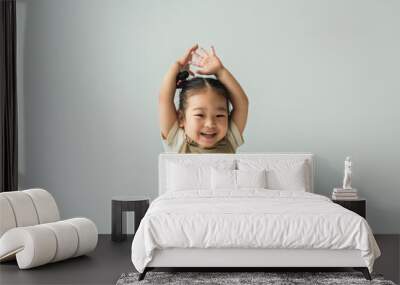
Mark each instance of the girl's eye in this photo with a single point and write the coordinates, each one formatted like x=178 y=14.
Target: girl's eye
x=199 y=115
x=220 y=116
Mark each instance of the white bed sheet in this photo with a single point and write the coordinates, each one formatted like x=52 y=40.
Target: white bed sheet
x=250 y=218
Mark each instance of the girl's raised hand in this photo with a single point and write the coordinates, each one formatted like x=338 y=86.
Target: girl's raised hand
x=187 y=57
x=208 y=62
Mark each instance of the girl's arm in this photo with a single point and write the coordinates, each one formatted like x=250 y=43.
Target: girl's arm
x=168 y=113
x=211 y=64
x=240 y=102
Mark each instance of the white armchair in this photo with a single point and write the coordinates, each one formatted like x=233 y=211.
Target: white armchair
x=31 y=230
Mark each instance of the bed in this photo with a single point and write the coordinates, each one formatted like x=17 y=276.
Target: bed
x=247 y=210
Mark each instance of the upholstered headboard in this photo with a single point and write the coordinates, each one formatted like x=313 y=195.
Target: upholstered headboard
x=273 y=157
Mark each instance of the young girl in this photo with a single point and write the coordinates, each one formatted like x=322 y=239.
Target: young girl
x=203 y=122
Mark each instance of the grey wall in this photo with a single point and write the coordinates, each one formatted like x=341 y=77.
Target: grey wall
x=321 y=76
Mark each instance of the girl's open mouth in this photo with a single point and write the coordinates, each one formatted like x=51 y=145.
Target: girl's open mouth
x=208 y=135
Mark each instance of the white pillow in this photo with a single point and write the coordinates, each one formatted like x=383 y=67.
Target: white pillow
x=187 y=175
x=223 y=179
x=237 y=179
x=284 y=174
x=251 y=178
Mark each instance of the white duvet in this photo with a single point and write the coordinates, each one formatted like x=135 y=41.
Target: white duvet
x=250 y=218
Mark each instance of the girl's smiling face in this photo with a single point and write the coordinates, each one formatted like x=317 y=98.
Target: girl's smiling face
x=206 y=118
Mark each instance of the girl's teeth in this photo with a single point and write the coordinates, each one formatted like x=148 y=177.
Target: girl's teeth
x=208 y=135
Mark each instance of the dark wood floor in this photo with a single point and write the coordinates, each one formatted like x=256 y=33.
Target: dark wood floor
x=102 y=266
x=111 y=259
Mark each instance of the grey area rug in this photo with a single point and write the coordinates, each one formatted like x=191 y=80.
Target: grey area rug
x=230 y=278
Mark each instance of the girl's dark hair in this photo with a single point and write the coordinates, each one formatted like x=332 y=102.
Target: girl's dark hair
x=197 y=84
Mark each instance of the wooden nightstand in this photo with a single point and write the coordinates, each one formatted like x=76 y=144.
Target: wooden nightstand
x=358 y=206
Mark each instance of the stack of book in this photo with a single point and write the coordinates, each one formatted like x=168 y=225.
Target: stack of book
x=344 y=194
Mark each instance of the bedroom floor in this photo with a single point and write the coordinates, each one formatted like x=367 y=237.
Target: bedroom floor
x=111 y=259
